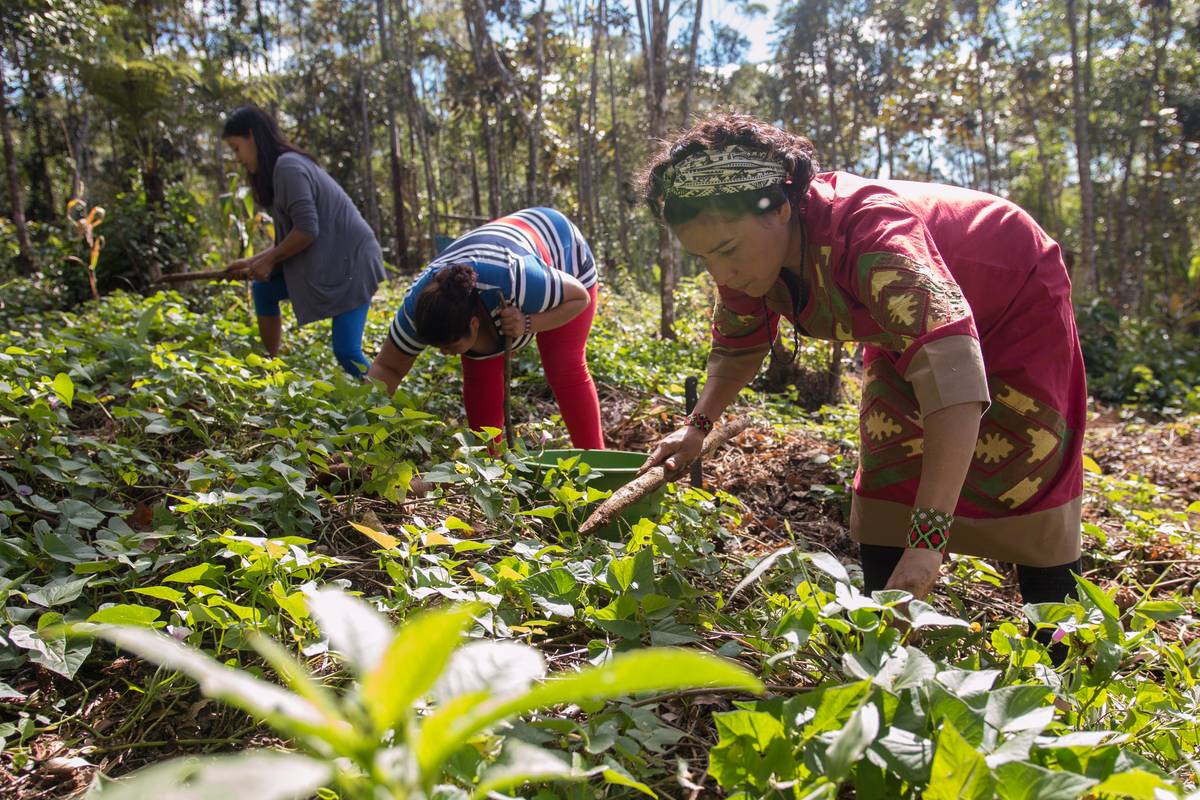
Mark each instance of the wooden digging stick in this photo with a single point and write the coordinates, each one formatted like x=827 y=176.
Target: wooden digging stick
x=206 y=275
x=505 y=346
x=655 y=477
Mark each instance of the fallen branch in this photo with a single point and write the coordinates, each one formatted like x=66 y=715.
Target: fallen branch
x=655 y=477
x=204 y=275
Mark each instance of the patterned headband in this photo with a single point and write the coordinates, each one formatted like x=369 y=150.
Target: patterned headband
x=726 y=171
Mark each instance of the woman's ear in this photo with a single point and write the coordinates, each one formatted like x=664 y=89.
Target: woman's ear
x=784 y=212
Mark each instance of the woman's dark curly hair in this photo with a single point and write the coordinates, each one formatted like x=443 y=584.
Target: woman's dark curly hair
x=716 y=132
x=445 y=307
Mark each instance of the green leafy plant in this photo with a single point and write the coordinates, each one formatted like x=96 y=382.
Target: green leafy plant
x=421 y=719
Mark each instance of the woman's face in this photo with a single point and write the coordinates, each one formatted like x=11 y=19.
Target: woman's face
x=464 y=344
x=244 y=151
x=742 y=253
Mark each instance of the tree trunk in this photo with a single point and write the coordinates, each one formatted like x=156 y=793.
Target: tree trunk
x=691 y=68
x=656 y=95
x=41 y=202
x=490 y=148
x=615 y=132
x=535 y=129
x=416 y=121
x=475 y=17
x=399 y=223
x=1079 y=106
x=476 y=203
x=26 y=263
x=372 y=199
x=593 y=169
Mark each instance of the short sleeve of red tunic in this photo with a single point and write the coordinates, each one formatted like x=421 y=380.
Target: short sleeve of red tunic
x=893 y=270
x=742 y=330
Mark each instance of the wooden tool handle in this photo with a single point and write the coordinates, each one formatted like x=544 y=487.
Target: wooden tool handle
x=204 y=275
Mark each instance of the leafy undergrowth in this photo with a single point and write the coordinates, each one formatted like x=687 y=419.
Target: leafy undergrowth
x=157 y=472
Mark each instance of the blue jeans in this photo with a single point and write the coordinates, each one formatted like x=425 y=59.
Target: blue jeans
x=347 y=326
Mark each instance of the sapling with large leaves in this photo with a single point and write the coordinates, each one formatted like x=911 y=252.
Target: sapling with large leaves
x=421 y=699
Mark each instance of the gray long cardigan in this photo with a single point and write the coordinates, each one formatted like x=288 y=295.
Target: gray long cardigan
x=343 y=266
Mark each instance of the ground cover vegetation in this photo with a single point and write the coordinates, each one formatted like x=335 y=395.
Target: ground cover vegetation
x=206 y=552
x=162 y=474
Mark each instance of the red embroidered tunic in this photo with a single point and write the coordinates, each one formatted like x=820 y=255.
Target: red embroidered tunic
x=959 y=296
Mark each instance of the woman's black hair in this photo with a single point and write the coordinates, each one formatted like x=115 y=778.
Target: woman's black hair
x=268 y=141
x=445 y=307
x=716 y=132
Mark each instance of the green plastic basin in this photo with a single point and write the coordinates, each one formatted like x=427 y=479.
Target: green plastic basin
x=610 y=470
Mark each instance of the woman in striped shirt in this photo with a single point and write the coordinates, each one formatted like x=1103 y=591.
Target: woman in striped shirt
x=530 y=275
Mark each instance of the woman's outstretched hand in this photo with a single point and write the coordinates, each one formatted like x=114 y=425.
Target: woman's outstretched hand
x=676 y=450
x=917 y=572
x=258 y=267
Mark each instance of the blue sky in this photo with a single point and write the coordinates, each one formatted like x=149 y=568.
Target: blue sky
x=756 y=29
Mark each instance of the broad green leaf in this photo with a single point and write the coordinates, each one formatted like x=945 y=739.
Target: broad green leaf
x=832 y=706
x=1137 y=784
x=126 y=614
x=58 y=591
x=655 y=670
x=905 y=754
x=1018 y=708
x=503 y=669
x=828 y=563
x=161 y=593
x=298 y=678
x=80 y=514
x=412 y=663
x=958 y=771
x=355 y=629
x=852 y=742
x=64 y=387
x=51 y=648
x=261 y=774
x=753 y=750
x=621 y=779
x=923 y=615
x=633 y=574
x=966 y=715
x=759 y=569
x=1161 y=609
x=10 y=692
x=1020 y=780
x=918 y=670
x=196 y=574
x=553 y=590
x=455 y=524
x=1099 y=597
x=758 y=727
x=282 y=709
x=522 y=763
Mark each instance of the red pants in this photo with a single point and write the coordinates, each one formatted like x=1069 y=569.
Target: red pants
x=564 y=358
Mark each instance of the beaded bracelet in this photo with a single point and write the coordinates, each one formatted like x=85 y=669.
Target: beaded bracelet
x=528 y=324
x=699 y=421
x=930 y=529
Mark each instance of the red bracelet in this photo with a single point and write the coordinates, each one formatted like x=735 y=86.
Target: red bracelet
x=699 y=421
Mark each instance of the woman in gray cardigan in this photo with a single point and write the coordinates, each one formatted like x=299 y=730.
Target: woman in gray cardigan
x=326 y=259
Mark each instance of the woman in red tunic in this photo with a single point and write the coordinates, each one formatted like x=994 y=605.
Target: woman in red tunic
x=974 y=396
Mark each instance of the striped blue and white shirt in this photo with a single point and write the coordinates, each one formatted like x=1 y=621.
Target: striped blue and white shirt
x=517 y=259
